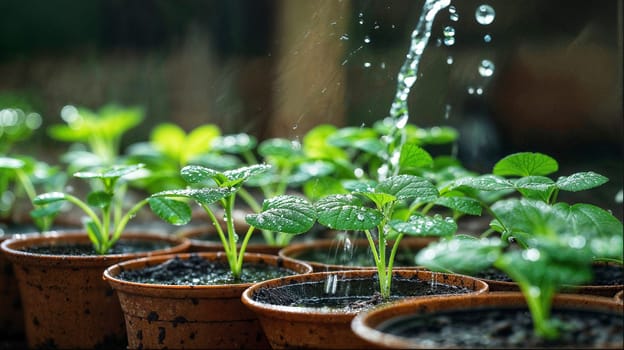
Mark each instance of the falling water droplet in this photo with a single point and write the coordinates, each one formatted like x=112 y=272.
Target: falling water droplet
x=449 y=60
x=447 y=111
x=485 y=14
x=479 y=91
x=486 y=68
x=344 y=37
x=361 y=21
x=382 y=65
x=487 y=38
x=454 y=17
x=367 y=64
x=367 y=39
x=448 y=31
x=471 y=90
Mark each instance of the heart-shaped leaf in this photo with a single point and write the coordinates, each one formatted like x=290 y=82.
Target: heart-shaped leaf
x=409 y=187
x=525 y=164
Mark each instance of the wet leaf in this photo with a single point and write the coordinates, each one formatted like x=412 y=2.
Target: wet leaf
x=99 y=199
x=50 y=197
x=194 y=174
x=409 y=187
x=535 y=187
x=346 y=212
x=422 y=226
x=581 y=181
x=172 y=211
x=466 y=255
x=414 y=156
x=206 y=196
x=484 y=183
x=112 y=172
x=11 y=163
x=465 y=205
x=287 y=214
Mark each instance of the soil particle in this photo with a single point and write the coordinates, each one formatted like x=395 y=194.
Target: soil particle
x=86 y=249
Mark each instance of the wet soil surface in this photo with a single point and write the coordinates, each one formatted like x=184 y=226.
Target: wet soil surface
x=196 y=271
x=86 y=249
x=355 y=294
x=506 y=328
x=604 y=275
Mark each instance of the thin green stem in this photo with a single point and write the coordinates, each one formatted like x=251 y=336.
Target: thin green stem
x=85 y=208
x=241 y=253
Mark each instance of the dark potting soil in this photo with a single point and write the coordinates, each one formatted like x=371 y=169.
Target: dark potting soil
x=196 y=271
x=351 y=294
x=604 y=275
x=506 y=328
x=86 y=249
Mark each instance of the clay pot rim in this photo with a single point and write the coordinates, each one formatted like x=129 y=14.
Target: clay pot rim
x=111 y=272
x=304 y=313
x=11 y=247
x=364 y=324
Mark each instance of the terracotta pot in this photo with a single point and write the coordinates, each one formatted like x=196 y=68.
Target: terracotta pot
x=335 y=247
x=11 y=317
x=619 y=297
x=366 y=325
x=66 y=304
x=322 y=327
x=199 y=317
x=598 y=290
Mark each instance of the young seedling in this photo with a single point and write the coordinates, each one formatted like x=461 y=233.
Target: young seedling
x=169 y=149
x=526 y=174
x=562 y=241
x=23 y=176
x=105 y=229
x=288 y=214
x=291 y=166
x=100 y=132
x=391 y=209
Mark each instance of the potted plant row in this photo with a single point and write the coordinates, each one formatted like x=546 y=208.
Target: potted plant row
x=554 y=246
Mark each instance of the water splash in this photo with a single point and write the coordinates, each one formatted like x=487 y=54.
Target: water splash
x=486 y=68
x=406 y=78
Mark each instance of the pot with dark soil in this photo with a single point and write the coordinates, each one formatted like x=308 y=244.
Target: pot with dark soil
x=65 y=301
x=608 y=278
x=493 y=320
x=192 y=300
x=315 y=310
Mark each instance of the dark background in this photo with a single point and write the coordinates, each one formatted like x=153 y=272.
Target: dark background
x=279 y=67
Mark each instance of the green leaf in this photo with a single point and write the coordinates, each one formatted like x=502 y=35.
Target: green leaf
x=199 y=141
x=484 y=183
x=379 y=198
x=589 y=220
x=525 y=164
x=581 y=181
x=206 y=196
x=11 y=163
x=316 y=146
x=414 y=156
x=169 y=139
x=535 y=187
x=99 y=199
x=464 y=254
x=194 y=174
x=351 y=136
x=422 y=225
x=346 y=212
x=50 y=197
x=464 y=205
x=411 y=187
x=242 y=174
x=287 y=214
x=321 y=187
x=172 y=211
x=279 y=147
x=113 y=172
x=530 y=217
x=48 y=210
